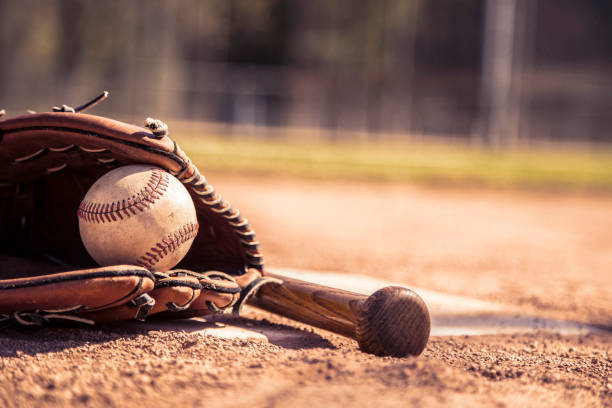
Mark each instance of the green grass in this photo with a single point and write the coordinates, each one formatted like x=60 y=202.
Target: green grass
x=404 y=162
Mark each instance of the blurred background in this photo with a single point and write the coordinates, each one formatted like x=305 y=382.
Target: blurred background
x=506 y=71
x=280 y=103
x=495 y=74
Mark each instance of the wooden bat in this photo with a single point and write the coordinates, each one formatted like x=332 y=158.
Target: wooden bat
x=393 y=321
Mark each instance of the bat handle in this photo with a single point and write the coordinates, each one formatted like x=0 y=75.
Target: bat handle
x=393 y=321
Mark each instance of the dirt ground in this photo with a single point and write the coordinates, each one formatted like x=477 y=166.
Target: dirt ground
x=549 y=253
x=546 y=253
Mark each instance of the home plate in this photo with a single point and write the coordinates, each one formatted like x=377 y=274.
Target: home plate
x=451 y=315
x=229 y=327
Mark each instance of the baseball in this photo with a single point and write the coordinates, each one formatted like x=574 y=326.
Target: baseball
x=138 y=215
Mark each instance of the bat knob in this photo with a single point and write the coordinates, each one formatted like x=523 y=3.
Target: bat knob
x=393 y=321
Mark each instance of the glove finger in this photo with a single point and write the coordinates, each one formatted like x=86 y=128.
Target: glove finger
x=218 y=292
x=74 y=291
x=175 y=294
x=170 y=294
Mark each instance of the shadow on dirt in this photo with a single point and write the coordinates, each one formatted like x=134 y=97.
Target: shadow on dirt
x=31 y=341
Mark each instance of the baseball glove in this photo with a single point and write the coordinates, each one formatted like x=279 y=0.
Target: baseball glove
x=48 y=161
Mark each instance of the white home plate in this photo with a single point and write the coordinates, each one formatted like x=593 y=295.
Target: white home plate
x=451 y=315
x=231 y=328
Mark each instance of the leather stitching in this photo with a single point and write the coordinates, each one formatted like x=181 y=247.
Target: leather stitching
x=108 y=212
x=168 y=245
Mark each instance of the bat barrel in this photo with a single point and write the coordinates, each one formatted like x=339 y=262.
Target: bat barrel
x=392 y=321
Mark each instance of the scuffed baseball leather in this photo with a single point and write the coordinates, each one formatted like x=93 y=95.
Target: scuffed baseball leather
x=48 y=161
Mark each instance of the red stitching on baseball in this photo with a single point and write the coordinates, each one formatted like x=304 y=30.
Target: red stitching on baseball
x=109 y=212
x=167 y=245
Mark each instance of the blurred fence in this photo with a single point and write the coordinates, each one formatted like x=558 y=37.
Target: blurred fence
x=501 y=72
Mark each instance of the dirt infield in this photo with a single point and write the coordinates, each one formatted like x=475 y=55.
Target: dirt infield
x=115 y=367
x=547 y=254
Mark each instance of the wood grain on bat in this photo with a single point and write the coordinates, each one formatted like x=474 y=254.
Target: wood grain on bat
x=392 y=321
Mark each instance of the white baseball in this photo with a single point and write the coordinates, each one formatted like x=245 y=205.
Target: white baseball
x=138 y=215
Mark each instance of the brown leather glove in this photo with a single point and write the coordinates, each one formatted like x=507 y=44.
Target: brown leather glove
x=48 y=161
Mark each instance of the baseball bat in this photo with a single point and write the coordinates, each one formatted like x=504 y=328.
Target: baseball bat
x=393 y=321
